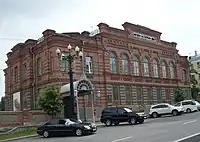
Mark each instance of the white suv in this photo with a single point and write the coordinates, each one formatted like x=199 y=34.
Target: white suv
x=188 y=105
x=165 y=109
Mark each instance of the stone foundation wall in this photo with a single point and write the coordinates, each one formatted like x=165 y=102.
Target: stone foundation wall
x=11 y=118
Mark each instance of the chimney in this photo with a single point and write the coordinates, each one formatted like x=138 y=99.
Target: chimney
x=48 y=32
x=103 y=27
x=195 y=53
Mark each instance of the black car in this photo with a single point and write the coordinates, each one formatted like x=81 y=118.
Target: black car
x=61 y=127
x=116 y=115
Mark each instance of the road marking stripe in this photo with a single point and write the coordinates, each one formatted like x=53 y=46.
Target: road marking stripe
x=122 y=139
x=190 y=121
x=190 y=136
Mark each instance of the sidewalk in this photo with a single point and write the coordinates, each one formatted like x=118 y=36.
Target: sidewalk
x=19 y=138
x=99 y=124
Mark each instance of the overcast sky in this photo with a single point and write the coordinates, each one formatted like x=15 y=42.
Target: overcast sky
x=178 y=20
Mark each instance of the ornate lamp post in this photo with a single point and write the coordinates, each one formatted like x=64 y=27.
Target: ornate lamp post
x=70 y=58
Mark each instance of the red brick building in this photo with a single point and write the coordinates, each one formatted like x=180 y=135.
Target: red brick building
x=130 y=66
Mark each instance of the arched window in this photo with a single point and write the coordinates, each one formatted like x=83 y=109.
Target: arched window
x=164 y=69
x=135 y=66
x=146 y=66
x=124 y=63
x=155 y=68
x=113 y=62
x=171 y=69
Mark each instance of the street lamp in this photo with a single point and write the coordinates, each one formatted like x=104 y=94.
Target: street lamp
x=69 y=58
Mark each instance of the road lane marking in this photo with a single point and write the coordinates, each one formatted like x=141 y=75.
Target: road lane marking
x=190 y=121
x=117 y=140
x=185 y=138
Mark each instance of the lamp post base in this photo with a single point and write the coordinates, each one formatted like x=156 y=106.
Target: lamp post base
x=68 y=110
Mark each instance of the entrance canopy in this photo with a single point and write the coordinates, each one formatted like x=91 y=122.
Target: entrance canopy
x=80 y=85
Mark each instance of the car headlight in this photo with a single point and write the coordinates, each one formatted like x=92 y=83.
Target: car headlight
x=86 y=127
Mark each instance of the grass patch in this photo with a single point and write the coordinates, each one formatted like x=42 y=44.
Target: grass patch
x=26 y=132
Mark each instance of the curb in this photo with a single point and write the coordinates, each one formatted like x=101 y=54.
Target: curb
x=100 y=126
x=18 y=138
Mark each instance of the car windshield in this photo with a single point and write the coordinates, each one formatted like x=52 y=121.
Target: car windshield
x=177 y=104
x=197 y=103
x=128 y=110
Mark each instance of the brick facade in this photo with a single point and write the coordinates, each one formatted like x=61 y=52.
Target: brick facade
x=23 y=74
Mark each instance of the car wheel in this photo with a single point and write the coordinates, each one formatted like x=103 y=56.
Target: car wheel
x=188 y=110
x=155 y=115
x=174 y=112
x=116 y=123
x=45 y=134
x=132 y=121
x=141 y=121
x=79 y=132
x=108 y=122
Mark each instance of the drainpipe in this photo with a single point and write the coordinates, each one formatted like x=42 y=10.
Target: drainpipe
x=34 y=77
x=83 y=76
x=21 y=83
x=49 y=60
x=104 y=70
x=189 y=87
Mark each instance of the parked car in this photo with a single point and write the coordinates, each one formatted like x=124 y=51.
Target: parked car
x=61 y=127
x=165 y=109
x=143 y=114
x=116 y=115
x=188 y=105
x=198 y=105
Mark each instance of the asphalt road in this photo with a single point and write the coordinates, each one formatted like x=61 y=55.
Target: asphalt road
x=166 y=129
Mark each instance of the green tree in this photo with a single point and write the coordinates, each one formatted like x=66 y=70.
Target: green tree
x=179 y=94
x=50 y=101
x=193 y=81
x=2 y=104
x=194 y=92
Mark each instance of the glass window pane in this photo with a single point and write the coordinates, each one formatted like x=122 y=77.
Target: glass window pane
x=146 y=67
x=113 y=63
x=124 y=63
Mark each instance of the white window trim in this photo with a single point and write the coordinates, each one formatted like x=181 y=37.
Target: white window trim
x=125 y=66
x=136 y=68
x=155 y=70
x=146 y=69
x=63 y=64
x=113 y=65
x=88 y=62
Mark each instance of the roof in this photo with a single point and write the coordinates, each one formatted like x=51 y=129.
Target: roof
x=83 y=84
x=66 y=88
x=194 y=58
